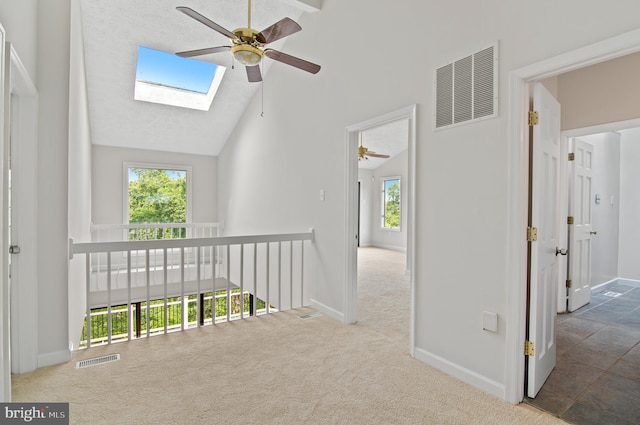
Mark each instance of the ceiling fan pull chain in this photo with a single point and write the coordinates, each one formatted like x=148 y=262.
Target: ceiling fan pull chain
x=262 y=89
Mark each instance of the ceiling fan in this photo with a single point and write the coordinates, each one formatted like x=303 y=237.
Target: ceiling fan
x=248 y=44
x=364 y=153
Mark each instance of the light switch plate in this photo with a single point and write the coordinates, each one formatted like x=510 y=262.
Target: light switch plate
x=490 y=321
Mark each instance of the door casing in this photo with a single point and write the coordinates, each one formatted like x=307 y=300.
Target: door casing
x=351 y=211
x=518 y=190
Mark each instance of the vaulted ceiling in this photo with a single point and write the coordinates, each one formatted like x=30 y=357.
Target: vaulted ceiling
x=114 y=29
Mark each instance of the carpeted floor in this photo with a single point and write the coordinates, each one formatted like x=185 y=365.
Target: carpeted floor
x=278 y=369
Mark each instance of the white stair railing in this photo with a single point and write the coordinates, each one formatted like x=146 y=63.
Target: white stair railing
x=249 y=275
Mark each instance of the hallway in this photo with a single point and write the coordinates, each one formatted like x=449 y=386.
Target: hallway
x=597 y=375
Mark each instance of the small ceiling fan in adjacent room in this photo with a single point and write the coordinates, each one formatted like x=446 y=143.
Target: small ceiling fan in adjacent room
x=247 y=44
x=364 y=153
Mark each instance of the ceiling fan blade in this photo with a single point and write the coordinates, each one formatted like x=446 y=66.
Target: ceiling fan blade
x=376 y=155
x=292 y=60
x=253 y=73
x=282 y=28
x=200 y=52
x=198 y=17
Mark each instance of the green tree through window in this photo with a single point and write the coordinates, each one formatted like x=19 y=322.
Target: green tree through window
x=391 y=204
x=157 y=195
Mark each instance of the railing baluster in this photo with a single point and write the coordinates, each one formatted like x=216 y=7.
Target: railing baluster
x=254 y=299
x=165 y=279
x=109 y=318
x=242 y=281
x=228 y=282
x=185 y=311
x=268 y=283
x=88 y=277
x=301 y=273
x=129 y=310
x=199 y=300
x=214 y=266
x=148 y=282
x=280 y=275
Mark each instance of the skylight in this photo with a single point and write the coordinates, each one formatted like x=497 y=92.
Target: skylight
x=172 y=80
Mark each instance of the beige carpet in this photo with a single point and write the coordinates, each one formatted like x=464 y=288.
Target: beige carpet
x=278 y=369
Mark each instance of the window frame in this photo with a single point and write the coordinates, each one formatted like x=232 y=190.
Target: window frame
x=125 y=185
x=383 y=201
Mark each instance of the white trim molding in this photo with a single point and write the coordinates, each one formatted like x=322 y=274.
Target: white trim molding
x=351 y=211
x=465 y=375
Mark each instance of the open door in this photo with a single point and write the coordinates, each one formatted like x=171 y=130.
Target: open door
x=581 y=231
x=543 y=237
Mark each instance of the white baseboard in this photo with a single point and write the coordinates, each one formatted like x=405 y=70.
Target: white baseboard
x=621 y=280
x=391 y=247
x=465 y=375
x=50 y=359
x=324 y=309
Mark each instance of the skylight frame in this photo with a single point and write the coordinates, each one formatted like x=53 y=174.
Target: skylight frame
x=162 y=92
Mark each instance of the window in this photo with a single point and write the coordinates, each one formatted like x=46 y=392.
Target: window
x=391 y=203
x=157 y=194
x=172 y=80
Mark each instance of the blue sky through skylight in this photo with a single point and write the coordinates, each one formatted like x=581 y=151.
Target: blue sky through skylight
x=167 y=69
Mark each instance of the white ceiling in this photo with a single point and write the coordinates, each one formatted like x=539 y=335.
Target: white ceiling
x=113 y=30
x=389 y=139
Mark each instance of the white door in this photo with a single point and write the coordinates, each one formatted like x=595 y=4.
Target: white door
x=5 y=300
x=580 y=193
x=544 y=270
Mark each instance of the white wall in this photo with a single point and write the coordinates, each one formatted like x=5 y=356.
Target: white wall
x=612 y=85
x=277 y=164
x=606 y=184
x=107 y=181
x=629 y=266
x=53 y=88
x=20 y=21
x=384 y=238
x=79 y=175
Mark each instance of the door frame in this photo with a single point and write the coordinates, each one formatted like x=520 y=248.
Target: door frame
x=351 y=211
x=23 y=104
x=518 y=190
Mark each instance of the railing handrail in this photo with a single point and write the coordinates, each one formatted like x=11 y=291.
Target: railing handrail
x=117 y=246
x=149 y=226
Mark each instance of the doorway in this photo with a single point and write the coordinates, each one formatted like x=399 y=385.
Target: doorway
x=353 y=137
x=518 y=174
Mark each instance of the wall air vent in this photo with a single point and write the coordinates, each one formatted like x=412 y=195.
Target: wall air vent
x=467 y=90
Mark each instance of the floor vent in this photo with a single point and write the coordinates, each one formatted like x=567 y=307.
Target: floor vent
x=309 y=316
x=612 y=294
x=98 y=360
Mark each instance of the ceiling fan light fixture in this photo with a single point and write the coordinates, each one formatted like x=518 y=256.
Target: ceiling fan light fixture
x=247 y=54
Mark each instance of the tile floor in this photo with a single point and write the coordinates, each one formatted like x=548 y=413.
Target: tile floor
x=597 y=375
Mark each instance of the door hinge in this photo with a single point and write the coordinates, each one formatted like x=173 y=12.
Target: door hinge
x=568 y=284
x=528 y=348
x=572 y=156
x=570 y=219
x=533 y=118
x=532 y=234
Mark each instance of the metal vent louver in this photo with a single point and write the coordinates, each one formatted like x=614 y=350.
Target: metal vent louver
x=467 y=89
x=98 y=360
